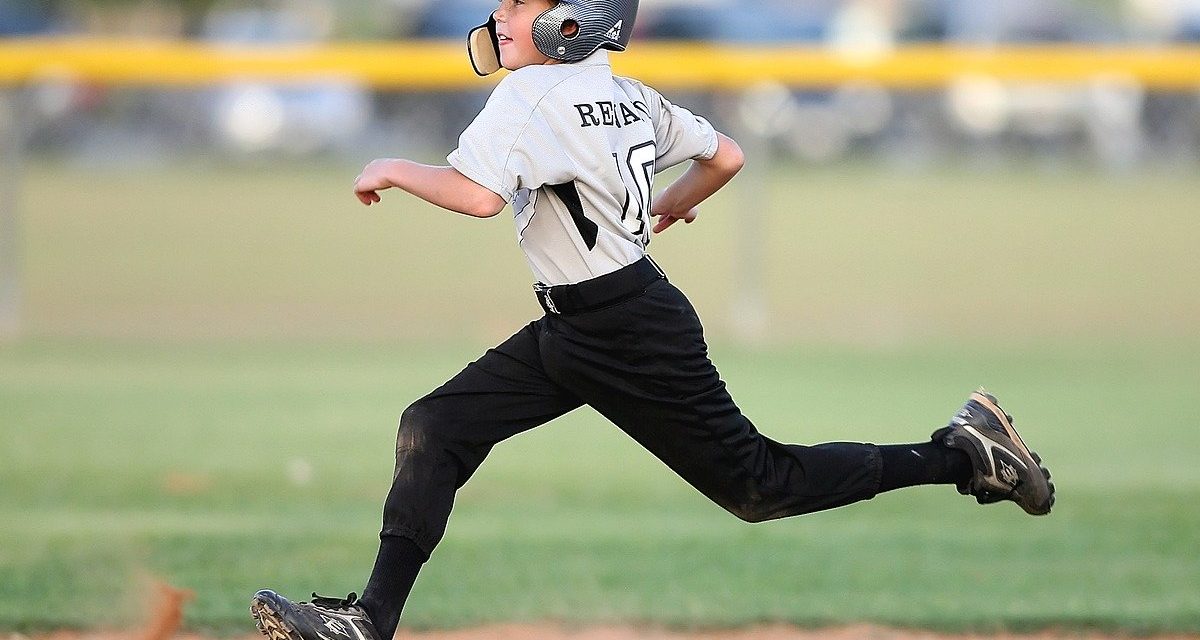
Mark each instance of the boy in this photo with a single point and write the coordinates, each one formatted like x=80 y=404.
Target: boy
x=574 y=149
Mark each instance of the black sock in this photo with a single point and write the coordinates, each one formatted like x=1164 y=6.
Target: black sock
x=396 y=569
x=907 y=465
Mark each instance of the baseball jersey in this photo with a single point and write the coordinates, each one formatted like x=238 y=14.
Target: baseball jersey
x=574 y=150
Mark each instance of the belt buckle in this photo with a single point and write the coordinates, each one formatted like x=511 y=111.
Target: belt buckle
x=543 y=292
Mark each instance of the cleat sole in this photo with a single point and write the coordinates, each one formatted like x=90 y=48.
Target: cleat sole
x=269 y=624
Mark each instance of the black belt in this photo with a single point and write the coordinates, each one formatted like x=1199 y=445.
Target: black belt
x=602 y=291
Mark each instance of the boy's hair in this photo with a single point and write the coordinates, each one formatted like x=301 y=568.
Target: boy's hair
x=570 y=31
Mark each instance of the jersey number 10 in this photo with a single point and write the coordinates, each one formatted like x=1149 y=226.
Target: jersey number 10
x=640 y=163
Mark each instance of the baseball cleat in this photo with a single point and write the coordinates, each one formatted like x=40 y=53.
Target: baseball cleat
x=1005 y=469
x=278 y=618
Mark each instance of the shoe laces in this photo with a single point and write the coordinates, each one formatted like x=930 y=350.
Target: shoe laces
x=343 y=604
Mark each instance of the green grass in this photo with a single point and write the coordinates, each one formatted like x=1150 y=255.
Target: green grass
x=201 y=339
x=121 y=461
x=852 y=255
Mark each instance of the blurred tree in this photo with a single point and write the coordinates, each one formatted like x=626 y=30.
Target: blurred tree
x=345 y=19
x=191 y=12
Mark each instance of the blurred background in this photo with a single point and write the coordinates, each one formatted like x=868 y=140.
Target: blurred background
x=1090 y=116
x=1107 y=121
x=205 y=341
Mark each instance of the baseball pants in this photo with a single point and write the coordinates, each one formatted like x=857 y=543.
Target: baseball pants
x=642 y=363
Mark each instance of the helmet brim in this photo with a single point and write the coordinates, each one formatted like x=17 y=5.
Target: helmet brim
x=483 y=47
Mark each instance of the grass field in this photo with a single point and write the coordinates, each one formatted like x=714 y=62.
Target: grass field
x=216 y=358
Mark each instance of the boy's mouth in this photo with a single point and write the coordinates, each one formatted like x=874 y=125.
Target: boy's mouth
x=503 y=39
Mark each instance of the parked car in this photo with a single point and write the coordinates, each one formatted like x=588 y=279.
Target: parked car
x=252 y=116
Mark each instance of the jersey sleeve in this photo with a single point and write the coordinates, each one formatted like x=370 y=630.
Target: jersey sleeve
x=510 y=145
x=679 y=134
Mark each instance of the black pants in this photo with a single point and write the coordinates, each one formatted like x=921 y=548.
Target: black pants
x=643 y=364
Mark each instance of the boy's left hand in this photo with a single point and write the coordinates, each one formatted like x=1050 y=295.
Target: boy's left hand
x=667 y=218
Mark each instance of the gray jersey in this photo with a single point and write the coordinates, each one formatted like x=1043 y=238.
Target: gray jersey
x=574 y=149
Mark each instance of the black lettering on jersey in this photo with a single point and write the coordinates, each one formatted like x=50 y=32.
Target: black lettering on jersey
x=569 y=194
x=608 y=114
x=641 y=106
x=585 y=115
x=628 y=117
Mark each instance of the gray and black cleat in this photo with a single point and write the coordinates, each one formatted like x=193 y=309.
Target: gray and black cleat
x=278 y=618
x=1005 y=469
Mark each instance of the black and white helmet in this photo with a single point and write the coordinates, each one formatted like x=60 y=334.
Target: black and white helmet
x=570 y=31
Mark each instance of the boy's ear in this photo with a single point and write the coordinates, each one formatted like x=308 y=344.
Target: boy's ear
x=483 y=47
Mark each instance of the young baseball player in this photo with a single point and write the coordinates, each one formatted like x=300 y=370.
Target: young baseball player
x=574 y=150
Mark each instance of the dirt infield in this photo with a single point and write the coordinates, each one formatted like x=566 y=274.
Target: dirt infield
x=166 y=613
x=560 y=632
x=769 y=632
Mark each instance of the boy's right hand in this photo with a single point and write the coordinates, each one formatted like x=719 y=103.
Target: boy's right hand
x=372 y=180
x=440 y=185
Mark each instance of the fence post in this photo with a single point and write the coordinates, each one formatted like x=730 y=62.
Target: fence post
x=749 y=312
x=12 y=149
x=758 y=113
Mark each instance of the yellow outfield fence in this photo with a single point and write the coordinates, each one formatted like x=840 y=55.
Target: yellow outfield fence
x=443 y=65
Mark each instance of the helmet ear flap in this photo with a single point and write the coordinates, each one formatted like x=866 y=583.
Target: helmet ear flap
x=483 y=47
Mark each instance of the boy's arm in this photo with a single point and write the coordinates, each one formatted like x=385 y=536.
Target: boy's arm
x=701 y=180
x=442 y=186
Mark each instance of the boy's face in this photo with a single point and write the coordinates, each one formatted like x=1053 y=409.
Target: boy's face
x=514 y=28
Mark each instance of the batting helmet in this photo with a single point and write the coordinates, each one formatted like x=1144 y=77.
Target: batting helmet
x=570 y=31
